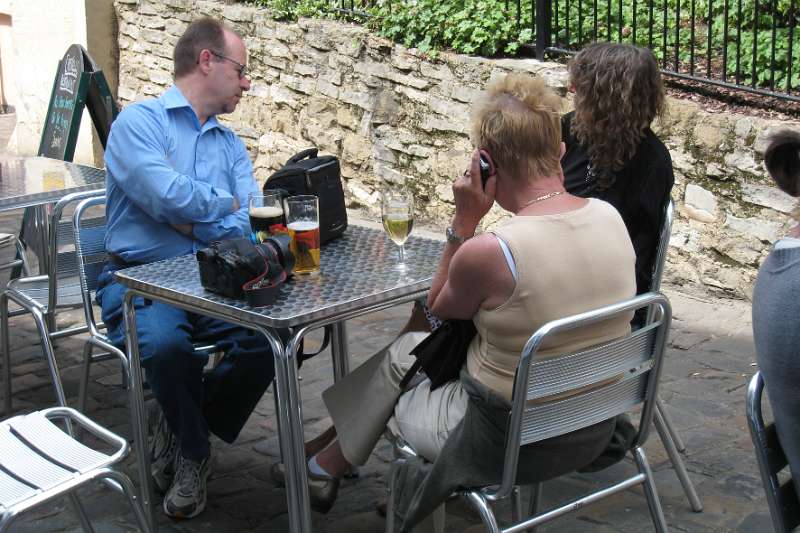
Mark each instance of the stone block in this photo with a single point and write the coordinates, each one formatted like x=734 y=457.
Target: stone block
x=403 y=59
x=386 y=108
x=327 y=89
x=450 y=109
x=305 y=69
x=278 y=49
x=431 y=123
x=175 y=27
x=301 y=85
x=153 y=36
x=700 y=203
x=356 y=149
x=287 y=33
x=238 y=13
x=437 y=71
x=160 y=77
x=357 y=98
x=768 y=197
x=281 y=95
x=464 y=94
x=346 y=118
x=708 y=135
x=153 y=23
x=763 y=230
x=421 y=97
x=743 y=127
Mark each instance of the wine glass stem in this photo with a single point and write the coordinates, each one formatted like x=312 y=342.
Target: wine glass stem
x=402 y=254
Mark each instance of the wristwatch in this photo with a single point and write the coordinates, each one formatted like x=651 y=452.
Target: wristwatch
x=453 y=237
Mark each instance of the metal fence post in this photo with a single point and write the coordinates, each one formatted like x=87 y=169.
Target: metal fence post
x=543 y=37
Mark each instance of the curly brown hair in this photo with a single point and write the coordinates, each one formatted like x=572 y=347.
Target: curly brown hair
x=618 y=93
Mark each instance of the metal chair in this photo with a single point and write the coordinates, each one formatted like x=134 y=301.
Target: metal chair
x=90 y=255
x=44 y=295
x=20 y=259
x=559 y=395
x=673 y=443
x=39 y=462
x=784 y=506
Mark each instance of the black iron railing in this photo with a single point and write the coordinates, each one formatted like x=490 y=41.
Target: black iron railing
x=748 y=45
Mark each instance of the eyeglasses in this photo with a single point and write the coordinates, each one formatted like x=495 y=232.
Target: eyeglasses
x=242 y=68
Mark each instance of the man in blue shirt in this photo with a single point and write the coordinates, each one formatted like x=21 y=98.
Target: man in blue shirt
x=178 y=179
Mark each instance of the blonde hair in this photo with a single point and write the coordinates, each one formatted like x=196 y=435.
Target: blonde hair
x=517 y=120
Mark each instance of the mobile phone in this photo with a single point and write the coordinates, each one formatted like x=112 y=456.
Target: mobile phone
x=486 y=169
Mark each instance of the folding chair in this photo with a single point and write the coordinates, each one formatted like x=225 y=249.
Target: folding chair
x=784 y=506
x=559 y=395
x=673 y=443
x=91 y=258
x=39 y=461
x=44 y=295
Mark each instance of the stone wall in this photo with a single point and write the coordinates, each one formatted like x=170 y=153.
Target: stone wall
x=391 y=114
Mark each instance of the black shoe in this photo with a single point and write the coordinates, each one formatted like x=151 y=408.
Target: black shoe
x=322 y=490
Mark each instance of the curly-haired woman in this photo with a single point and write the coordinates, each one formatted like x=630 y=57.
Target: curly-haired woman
x=612 y=154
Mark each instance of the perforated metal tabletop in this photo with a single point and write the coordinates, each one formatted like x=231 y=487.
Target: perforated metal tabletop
x=356 y=272
x=33 y=181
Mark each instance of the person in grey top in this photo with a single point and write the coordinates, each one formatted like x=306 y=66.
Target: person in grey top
x=776 y=308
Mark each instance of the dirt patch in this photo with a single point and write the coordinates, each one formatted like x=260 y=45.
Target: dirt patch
x=721 y=99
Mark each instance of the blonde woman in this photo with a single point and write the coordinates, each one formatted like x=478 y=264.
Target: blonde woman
x=558 y=255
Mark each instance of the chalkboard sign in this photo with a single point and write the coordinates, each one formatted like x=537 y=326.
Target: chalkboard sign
x=78 y=83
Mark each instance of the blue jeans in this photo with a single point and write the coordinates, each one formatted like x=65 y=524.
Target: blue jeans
x=193 y=404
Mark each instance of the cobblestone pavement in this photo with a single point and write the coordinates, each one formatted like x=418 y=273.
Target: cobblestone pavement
x=708 y=365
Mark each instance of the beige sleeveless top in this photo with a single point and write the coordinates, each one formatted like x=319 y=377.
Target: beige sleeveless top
x=566 y=263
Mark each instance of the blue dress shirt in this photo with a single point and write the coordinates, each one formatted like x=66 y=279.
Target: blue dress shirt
x=164 y=168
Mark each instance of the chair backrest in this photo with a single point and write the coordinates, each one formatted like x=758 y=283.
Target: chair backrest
x=781 y=497
x=62 y=244
x=90 y=251
x=557 y=395
x=663 y=247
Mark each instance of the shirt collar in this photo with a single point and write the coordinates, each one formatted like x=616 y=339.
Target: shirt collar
x=173 y=98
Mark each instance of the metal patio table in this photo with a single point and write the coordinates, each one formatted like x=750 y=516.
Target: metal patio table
x=357 y=277
x=36 y=182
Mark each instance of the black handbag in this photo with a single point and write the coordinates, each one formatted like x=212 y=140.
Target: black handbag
x=308 y=173
x=442 y=354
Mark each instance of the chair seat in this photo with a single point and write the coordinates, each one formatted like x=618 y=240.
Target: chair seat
x=36 y=289
x=36 y=456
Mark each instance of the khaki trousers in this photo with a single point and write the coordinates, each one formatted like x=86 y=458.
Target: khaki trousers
x=368 y=400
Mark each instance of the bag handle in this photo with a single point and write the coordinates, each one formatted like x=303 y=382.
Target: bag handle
x=307 y=153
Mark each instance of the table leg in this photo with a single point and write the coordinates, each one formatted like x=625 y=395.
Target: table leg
x=138 y=413
x=290 y=420
x=339 y=351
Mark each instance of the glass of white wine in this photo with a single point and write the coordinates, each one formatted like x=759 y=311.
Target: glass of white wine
x=397 y=213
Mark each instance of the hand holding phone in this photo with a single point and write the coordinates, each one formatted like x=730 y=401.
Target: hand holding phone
x=485 y=163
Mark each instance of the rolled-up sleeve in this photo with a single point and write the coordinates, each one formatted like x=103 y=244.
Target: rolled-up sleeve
x=236 y=224
x=136 y=157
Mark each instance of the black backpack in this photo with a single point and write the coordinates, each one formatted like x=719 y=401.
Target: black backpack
x=307 y=173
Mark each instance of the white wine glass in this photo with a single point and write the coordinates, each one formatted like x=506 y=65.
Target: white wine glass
x=397 y=214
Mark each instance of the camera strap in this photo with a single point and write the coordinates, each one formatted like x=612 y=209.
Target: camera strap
x=261 y=291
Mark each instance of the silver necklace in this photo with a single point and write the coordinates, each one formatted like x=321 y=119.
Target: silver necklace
x=542 y=198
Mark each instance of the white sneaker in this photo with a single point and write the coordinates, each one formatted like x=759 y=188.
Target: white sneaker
x=186 y=497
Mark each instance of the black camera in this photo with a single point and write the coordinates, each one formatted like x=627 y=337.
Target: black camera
x=237 y=268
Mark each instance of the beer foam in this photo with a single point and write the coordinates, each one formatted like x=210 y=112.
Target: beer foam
x=266 y=212
x=303 y=225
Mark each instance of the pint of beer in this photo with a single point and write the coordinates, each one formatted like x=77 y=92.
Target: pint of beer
x=266 y=215
x=302 y=217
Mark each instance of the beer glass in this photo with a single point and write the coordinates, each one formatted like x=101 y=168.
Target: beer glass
x=302 y=218
x=397 y=214
x=266 y=215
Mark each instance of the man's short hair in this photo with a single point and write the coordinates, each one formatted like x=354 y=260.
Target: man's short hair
x=204 y=33
x=518 y=122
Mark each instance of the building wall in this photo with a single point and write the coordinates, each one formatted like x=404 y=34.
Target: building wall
x=39 y=34
x=393 y=115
